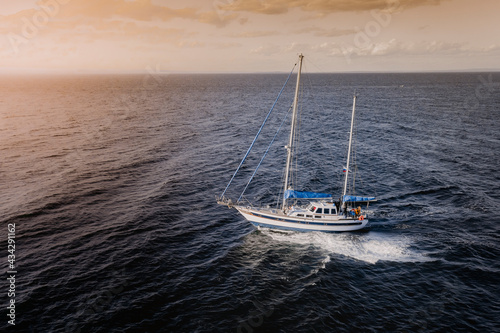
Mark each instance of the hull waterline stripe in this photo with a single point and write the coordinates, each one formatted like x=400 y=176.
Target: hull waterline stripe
x=272 y=226
x=302 y=222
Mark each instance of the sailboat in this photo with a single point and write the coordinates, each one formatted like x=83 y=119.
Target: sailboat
x=320 y=212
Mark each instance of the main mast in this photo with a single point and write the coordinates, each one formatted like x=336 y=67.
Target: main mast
x=349 y=150
x=292 y=132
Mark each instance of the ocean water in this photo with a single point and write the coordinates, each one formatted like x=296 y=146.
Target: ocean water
x=111 y=183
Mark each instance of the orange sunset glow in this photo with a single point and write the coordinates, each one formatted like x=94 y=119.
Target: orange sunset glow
x=248 y=35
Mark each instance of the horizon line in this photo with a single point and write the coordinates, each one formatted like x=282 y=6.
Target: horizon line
x=137 y=72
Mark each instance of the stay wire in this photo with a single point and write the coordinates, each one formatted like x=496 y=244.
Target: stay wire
x=258 y=133
x=265 y=153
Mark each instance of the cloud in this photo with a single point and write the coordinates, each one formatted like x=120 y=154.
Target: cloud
x=138 y=10
x=321 y=32
x=141 y=10
x=214 y=18
x=414 y=48
x=271 y=49
x=113 y=20
x=266 y=50
x=254 y=34
x=392 y=49
x=395 y=47
x=273 y=7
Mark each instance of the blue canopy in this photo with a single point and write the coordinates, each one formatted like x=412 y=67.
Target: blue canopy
x=305 y=195
x=352 y=198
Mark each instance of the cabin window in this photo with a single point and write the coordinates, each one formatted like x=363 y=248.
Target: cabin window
x=309 y=216
x=317 y=216
x=327 y=210
x=301 y=215
x=319 y=211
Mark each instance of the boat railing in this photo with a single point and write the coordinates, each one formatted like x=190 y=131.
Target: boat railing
x=247 y=203
x=224 y=201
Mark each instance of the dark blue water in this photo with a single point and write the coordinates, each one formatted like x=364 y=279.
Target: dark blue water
x=111 y=183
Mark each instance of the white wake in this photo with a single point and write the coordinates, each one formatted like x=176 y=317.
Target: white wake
x=369 y=247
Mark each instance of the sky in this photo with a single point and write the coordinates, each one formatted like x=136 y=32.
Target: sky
x=88 y=36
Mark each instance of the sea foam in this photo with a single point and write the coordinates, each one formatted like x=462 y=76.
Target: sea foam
x=370 y=247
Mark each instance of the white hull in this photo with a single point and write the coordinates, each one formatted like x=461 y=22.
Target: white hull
x=276 y=219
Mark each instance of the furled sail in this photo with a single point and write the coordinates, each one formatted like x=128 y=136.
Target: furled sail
x=352 y=198
x=306 y=195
